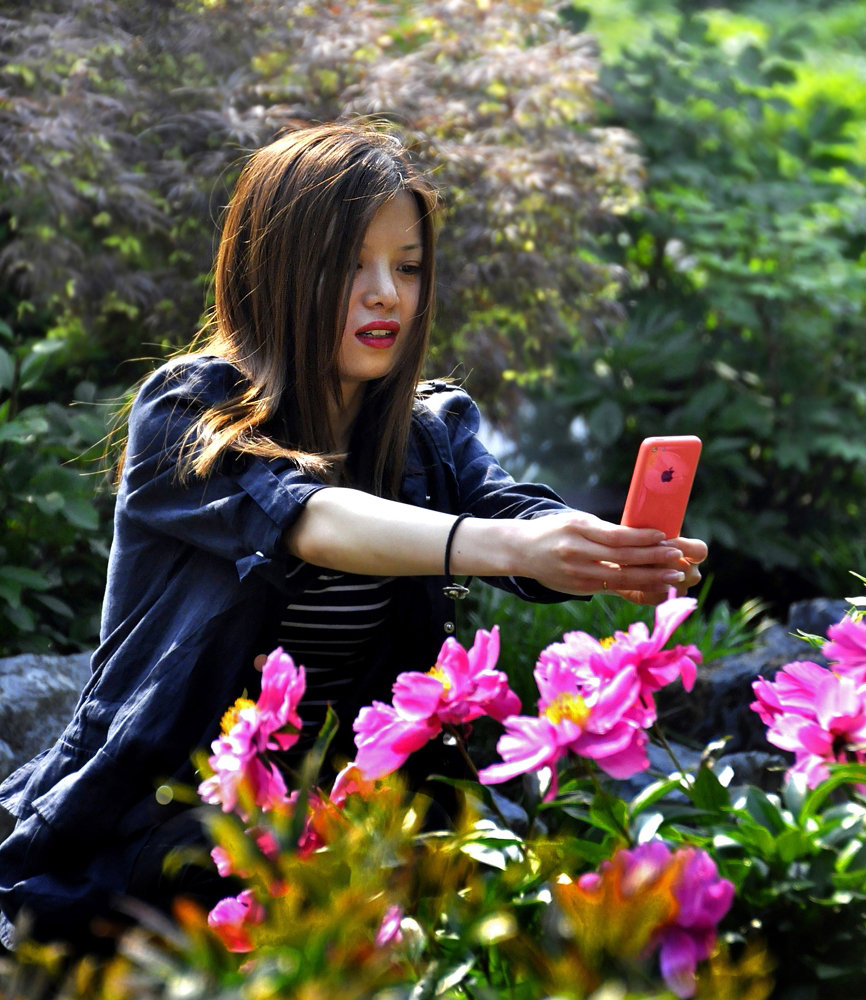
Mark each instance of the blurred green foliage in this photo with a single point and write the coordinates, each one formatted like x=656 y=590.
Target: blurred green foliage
x=124 y=126
x=725 y=300
x=745 y=307
x=53 y=546
x=105 y=239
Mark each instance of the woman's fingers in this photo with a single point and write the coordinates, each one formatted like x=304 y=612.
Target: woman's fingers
x=587 y=555
x=645 y=598
x=577 y=553
x=694 y=550
x=616 y=578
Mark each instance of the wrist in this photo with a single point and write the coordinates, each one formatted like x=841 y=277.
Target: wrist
x=487 y=547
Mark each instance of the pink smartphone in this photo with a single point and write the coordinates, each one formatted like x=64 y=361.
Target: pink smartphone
x=661 y=483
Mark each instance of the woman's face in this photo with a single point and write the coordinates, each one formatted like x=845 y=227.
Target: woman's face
x=383 y=301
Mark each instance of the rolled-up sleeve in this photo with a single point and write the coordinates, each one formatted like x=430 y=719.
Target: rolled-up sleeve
x=241 y=511
x=483 y=488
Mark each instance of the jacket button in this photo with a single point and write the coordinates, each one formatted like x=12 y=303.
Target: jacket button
x=449 y=627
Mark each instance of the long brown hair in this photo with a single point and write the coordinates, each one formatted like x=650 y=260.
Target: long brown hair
x=292 y=232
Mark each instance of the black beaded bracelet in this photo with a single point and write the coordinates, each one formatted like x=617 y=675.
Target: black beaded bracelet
x=453 y=589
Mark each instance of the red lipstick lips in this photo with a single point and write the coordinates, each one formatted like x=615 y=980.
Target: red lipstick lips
x=378 y=334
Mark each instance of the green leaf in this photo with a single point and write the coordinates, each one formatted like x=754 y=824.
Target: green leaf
x=707 y=792
x=10 y=593
x=591 y=851
x=50 y=503
x=80 y=513
x=840 y=775
x=24 y=428
x=609 y=813
x=7 y=369
x=21 y=618
x=55 y=604
x=25 y=578
x=763 y=811
x=648 y=796
x=606 y=422
x=494 y=848
x=309 y=773
x=39 y=358
x=755 y=837
x=793 y=844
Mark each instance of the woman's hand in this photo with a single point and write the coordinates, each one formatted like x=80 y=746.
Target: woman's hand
x=578 y=553
x=694 y=553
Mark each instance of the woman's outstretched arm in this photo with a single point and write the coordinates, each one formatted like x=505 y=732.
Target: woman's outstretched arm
x=568 y=551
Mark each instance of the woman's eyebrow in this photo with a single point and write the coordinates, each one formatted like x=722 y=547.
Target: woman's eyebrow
x=408 y=246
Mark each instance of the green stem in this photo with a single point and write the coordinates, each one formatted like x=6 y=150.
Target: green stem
x=461 y=746
x=660 y=736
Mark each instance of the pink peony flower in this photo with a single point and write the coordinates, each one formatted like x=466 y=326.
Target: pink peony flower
x=461 y=687
x=817 y=715
x=791 y=692
x=596 y=699
x=242 y=774
x=846 y=648
x=581 y=714
x=283 y=686
x=385 y=740
x=390 y=931
x=656 y=666
x=232 y=919
x=702 y=900
x=637 y=650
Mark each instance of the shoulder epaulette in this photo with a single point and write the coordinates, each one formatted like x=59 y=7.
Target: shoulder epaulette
x=431 y=386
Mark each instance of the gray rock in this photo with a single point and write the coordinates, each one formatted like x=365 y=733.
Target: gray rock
x=38 y=694
x=816 y=616
x=755 y=767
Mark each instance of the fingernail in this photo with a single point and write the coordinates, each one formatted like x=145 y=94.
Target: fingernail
x=673 y=576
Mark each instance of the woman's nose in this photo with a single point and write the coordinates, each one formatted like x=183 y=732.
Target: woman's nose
x=381 y=289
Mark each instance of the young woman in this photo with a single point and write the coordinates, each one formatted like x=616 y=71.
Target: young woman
x=290 y=483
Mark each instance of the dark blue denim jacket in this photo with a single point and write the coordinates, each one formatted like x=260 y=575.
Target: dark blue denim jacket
x=196 y=580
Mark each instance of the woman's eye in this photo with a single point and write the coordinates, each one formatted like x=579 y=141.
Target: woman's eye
x=410 y=268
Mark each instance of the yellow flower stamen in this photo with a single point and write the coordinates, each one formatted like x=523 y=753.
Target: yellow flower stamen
x=567 y=707
x=437 y=673
x=230 y=719
x=607 y=643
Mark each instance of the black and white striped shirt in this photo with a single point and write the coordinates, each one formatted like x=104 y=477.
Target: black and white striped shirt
x=330 y=630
